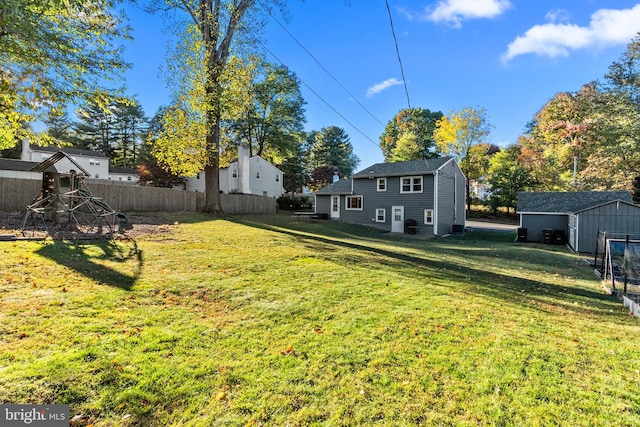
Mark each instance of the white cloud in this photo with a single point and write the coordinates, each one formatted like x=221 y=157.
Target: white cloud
x=453 y=12
x=557 y=15
x=608 y=27
x=379 y=87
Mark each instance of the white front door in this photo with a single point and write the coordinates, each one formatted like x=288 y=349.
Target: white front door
x=335 y=206
x=397 y=219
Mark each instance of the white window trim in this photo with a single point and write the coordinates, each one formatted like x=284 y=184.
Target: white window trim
x=426 y=216
x=384 y=215
x=380 y=180
x=346 y=203
x=412 y=184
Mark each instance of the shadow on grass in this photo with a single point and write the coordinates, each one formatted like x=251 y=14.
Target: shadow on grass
x=85 y=258
x=489 y=283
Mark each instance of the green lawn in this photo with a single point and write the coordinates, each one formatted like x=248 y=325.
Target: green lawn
x=252 y=321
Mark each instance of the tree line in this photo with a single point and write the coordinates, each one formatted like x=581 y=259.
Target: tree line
x=587 y=140
x=55 y=54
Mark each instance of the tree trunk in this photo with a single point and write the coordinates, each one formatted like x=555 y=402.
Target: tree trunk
x=468 y=196
x=212 y=203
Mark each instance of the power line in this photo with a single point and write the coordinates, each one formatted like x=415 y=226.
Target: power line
x=395 y=39
x=326 y=102
x=325 y=70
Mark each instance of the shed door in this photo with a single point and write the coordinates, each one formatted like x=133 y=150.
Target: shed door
x=397 y=219
x=573 y=235
x=335 y=207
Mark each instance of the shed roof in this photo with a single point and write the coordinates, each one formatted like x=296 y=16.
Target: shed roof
x=566 y=202
x=599 y=205
x=412 y=167
x=342 y=186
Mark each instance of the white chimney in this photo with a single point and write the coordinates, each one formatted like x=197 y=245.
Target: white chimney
x=244 y=173
x=26 y=151
x=336 y=177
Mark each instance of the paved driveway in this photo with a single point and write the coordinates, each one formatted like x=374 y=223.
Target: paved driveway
x=490 y=226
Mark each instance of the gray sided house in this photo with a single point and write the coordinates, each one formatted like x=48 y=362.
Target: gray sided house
x=430 y=192
x=579 y=215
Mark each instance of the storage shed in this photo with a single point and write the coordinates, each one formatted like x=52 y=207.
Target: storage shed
x=542 y=213
x=617 y=217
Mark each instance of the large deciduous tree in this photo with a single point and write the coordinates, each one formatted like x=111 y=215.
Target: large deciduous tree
x=409 y=135
x=563 y=136
x=53 y=53
x=273 y=124
x=507 y=177
x=208 y=41
x=458 y=132
x=615 y=162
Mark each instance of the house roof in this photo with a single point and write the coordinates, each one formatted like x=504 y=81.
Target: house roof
x=412 y=167
x=19 y=165
x=59 y=155
x=342 y=186
x=566 y=202
x=68 y=150
x=122 y=170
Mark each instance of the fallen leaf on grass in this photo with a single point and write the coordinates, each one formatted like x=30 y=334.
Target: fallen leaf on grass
x=221 y=395
x=289 y=350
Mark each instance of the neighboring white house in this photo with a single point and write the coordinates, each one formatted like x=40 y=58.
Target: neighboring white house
x=123 y=174
x=479 y=189
x=248 y=175
x=94 y=162
x=14 y=168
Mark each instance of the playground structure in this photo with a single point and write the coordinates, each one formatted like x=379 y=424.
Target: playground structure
x=617 y=262
x=64 y=203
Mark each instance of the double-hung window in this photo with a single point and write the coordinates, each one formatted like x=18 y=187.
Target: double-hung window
x=382 y=184
x=354 y=203
x=381 y=214
x=411 y=184
x=428 y=216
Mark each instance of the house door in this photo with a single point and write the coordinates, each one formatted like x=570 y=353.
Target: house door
x=397 y=219
x=335 y=207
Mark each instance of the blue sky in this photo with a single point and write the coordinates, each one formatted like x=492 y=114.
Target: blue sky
x=508 y=56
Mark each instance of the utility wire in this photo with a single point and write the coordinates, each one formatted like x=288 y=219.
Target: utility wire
x=323 y=100
x=395 y=39
x=326 y=71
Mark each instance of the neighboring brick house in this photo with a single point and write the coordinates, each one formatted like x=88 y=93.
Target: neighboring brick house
x=430 y=192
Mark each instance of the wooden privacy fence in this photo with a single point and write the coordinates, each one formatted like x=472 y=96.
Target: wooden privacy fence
x=16 y=194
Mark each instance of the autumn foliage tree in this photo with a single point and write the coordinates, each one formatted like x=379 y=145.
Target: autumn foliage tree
x=205 y=95
x=457 y=133
x=409 y=135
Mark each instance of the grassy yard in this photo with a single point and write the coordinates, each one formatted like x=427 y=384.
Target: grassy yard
x=254 y=321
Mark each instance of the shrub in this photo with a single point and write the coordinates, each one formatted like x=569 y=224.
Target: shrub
x=292 y=203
